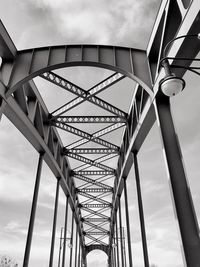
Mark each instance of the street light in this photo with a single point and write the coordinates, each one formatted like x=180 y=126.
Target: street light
x=171 y=85
x=62 y=240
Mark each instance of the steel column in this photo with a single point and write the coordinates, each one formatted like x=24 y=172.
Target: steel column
x=65 y=231
x=33 y=212
x=180 y=189
x=54 y=225
x=141 y=213
x=79 y=253
x=128 y=224
x=121 y=234
x=60 y=246
x=71 y=241
x=76 y=246
x=117 y=238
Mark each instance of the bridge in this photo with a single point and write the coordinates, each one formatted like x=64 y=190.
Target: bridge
x=93 y=189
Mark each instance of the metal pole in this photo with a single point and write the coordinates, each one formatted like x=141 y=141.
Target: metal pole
x=33 y=212
x=54 y=225
x=128 y=224
x=141 y=213
x=180 y=189
x=76 y=246
x=117 y=238
x=79 y=253
x=115 y=256
x=71 y=241
x=120 y=228
x=65 y=232
x=60 y=247
x=124 y=246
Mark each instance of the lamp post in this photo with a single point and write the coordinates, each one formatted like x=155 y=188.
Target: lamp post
x=182 y=199
x=62 y=240
x=171 y=85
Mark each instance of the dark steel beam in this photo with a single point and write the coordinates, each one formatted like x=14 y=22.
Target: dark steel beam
x=88 y=119
x=128 y=225
x=71 y=240
x=104 y=217
x=33 y=212
x=121 y=234
x=141 y=213
x=181 y=193
x=92 y=219
x=96 y=240
x=54 y=225
x=65 y=232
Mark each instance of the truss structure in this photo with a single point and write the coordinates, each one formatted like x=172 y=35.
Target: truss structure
x=93 y=187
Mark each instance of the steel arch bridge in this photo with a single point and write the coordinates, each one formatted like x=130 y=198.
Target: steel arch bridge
x=22 y=104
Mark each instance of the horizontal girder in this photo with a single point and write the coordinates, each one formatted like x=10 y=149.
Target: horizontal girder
x=95 y=205
x=92 y=173
x=88 y=119
x=92 y=219
x=87 y=161
x=96 y=233
x=95 y=190
x=81 y=93
x=93 y=151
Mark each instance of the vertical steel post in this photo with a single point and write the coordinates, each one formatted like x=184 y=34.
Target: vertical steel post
x=120 y=228
x=33 y=212
x=54 y=225
x=180 y=189
x=76 y=246
x=141 y=213
x=79 y=252
x=60 y=247
x=114 y=248
x=128 y=224
x=65 y=232
x=71 y=240
x=117 y=242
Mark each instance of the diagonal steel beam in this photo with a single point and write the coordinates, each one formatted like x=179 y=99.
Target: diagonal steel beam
x=94 y=226
x=97 y=240
x=88 y=161
x=94 y=198
x=102 y=216
x=89 y=180
x=88 y=119
x=83 y=134
x=84 y=95
x=102 y=132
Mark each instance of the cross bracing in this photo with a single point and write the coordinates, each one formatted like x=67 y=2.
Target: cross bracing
x=94 y=184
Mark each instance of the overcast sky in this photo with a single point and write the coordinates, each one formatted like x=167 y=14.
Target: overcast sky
x=33 y=23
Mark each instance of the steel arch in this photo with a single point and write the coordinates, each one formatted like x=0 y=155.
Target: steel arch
x=30 y=63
